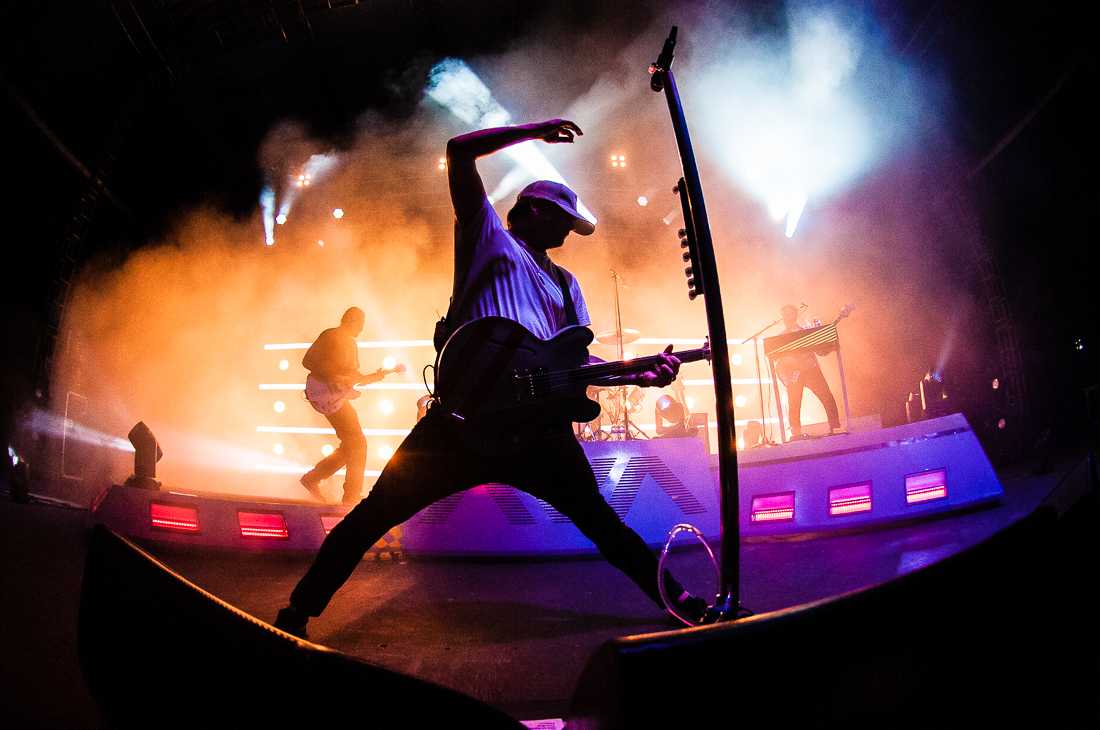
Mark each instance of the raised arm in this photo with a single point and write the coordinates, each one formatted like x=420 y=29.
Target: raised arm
x=467 y=190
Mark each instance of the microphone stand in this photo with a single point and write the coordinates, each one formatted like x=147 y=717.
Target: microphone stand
x=628 y=434
x=759 y=381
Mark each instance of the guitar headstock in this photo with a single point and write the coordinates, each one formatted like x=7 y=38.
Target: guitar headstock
x=399 y=368
x=848 y=309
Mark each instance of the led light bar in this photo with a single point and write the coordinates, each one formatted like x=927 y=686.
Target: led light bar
x=926 y=486
x=850 y=499
x=173 y=517
x=773 y=507
x=268 y=525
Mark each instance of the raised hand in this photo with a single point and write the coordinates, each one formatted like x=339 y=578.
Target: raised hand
x=555 y=131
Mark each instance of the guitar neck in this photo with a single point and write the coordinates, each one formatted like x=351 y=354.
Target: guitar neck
x=600 y=371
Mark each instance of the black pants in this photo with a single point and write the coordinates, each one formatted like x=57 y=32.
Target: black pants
x=813 y=379
x=441 y=457
x=351 y=453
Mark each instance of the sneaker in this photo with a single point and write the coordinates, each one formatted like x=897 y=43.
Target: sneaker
x=313 y=487
x=292 y=622
x=692 y=608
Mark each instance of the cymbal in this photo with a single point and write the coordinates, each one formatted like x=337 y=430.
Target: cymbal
x=611 y=337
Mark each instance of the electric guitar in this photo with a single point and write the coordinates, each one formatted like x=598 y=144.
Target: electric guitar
x=327 y=396
x=494 y=372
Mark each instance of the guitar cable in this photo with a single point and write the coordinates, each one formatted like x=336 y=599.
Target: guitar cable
x=683 y=527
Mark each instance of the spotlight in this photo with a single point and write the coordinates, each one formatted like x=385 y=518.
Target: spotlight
x=690 y=402
x=737 y=359
x=740 y=401
x=618 y=161
x=284 y=364
x=279 y=406
x=146 y=455
x=278 y=449
x=389 y=362
x=280 y=219
x=669 y=415
x=385 y=452
x=337 y=213
x=643 y=201
x=996 y=383
x=386 y=406
x=320 y=243
x=441 y=164
x=326 y=450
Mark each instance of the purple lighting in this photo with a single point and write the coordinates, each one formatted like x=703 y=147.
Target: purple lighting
x=773 y=507
x=850 y=499
x=926 y=486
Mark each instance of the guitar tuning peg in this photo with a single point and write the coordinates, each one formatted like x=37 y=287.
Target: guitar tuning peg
x=687 y=256
x=682 y=233
x=692 y=294
x=691 y=281
x=689 y=271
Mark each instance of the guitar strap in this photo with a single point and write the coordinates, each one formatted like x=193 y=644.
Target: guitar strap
x=566 y=295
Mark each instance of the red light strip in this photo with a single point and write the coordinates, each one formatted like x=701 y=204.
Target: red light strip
x=173 y=517
x=267 y=525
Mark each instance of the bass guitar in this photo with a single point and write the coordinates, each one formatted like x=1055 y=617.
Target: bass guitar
x=327 y=396
x=494 y=372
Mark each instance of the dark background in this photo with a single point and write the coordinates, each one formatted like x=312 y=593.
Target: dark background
x=120 y=115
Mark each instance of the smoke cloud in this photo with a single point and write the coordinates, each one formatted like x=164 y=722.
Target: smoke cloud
x=822 y=115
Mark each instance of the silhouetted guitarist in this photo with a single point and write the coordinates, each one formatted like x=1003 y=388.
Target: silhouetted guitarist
x=333 y=364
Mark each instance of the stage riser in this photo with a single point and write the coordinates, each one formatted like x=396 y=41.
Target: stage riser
x=652 y=485
x=128 y=511
x=885 y=461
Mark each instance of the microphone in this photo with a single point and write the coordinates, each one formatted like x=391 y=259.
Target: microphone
x=663 y=62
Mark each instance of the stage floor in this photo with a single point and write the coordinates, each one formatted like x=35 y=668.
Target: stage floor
x=515 y=634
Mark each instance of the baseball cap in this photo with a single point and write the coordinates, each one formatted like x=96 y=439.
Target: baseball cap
x=561 y=196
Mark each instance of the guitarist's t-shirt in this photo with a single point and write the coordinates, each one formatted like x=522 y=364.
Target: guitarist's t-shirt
x=497 y=276
x=332 y=354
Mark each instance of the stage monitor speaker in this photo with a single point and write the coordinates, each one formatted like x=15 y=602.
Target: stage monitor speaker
x=973 y=640
x=157 y=651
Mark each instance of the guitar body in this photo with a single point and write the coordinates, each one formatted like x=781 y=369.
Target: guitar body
x=483 y=371
x=328 y=397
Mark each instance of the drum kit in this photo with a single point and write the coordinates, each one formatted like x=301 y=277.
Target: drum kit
x=617 y=403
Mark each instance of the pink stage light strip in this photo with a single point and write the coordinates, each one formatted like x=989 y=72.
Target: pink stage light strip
x=850 y=499
x=773 y=507
x=269 y=525
x=926 y=486
x=173 y=517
